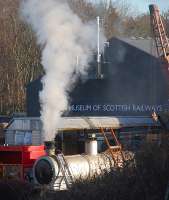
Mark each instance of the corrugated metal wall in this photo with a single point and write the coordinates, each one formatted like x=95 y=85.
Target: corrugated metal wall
x=24 y=131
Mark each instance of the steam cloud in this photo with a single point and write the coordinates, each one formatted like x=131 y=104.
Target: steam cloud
x=64 y=37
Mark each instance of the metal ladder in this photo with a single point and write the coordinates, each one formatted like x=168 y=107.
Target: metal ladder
x=67 y=176
x=115 y=151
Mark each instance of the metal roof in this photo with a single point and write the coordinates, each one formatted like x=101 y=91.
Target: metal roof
x=145 y=44
x=77 y=123
x=4 y=119
x=105 y=122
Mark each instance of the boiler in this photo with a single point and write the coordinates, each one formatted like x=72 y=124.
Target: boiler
x=57 y=172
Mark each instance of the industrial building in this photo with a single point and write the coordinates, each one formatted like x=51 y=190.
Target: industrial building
x=115 y=102
x=133 y=83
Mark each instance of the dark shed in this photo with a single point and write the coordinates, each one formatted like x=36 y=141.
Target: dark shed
x=134 y=84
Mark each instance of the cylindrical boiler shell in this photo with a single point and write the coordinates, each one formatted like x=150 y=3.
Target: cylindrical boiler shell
x=80 y=166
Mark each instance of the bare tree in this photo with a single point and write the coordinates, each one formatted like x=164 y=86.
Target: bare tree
x=85 y=10
x=138 y=26
x=20 y=57
x=166 y=21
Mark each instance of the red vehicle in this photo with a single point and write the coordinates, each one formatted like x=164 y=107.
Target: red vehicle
x=16 y=162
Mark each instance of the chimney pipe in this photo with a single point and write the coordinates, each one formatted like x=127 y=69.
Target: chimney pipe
x=50 y=147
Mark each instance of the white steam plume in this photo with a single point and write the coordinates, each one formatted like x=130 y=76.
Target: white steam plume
x=63 y=37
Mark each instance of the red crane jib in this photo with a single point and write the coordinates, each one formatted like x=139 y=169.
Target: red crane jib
x=159 y=33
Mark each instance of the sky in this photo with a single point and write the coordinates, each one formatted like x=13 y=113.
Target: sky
x=142 y=5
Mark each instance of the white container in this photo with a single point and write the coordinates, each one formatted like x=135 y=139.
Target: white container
x=91 y=147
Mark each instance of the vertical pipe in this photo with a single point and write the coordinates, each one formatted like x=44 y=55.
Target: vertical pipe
x=98 y=49
x=98 y=39
x=50 y=147
x=77 y=61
